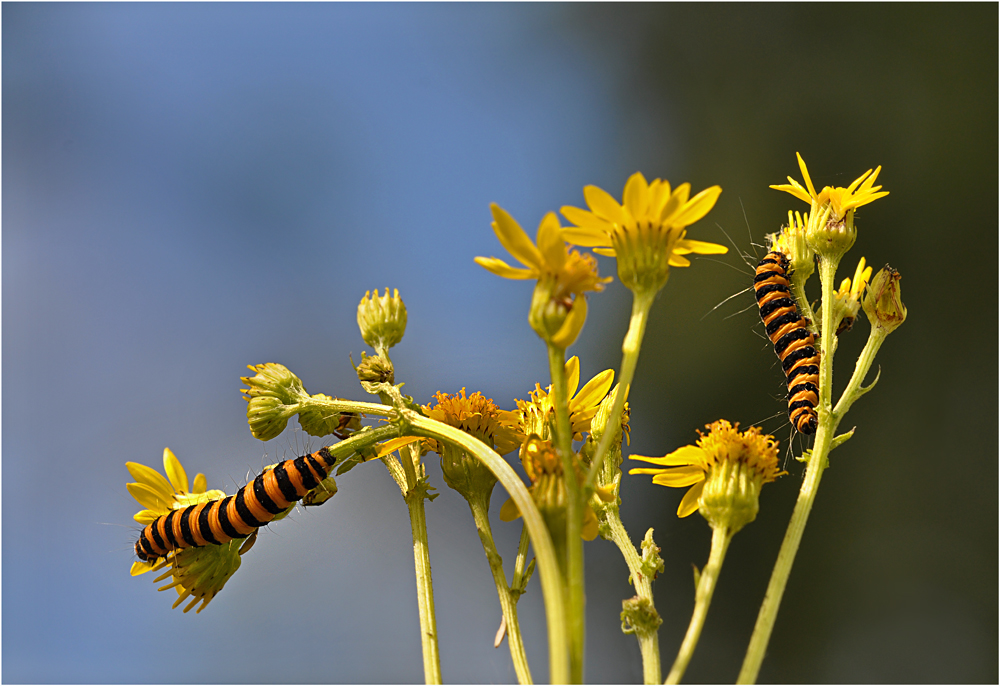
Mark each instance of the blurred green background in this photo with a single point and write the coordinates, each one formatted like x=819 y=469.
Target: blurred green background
x=191 y=188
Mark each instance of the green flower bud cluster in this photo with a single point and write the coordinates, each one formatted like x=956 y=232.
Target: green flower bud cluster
x=275 y=395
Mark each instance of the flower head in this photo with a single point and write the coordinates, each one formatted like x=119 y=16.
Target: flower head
x=830 y=230
x=548 y=488
x=559 y=307
x=725 y=471
x=198 y=572
x=847 y=299
x=646 y=232
x=840 y=200
x=539 y=411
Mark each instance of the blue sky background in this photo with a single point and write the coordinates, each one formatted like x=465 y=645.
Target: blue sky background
x=191 y=188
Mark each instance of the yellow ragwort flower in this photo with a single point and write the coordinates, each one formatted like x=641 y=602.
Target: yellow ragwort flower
x=725 y=471
x=575 y=273
x=558 y=305
x=840 y=200
x=200 y=572
x=478 y=416
x=548 y=488
x=536 y=413
x=646 y=232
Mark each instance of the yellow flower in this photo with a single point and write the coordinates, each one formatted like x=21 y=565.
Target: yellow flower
x=840 y=200
x=198 y=572
x=535 y=414
x=847 y=300
x=574 y=272
x=558 y=309
x=646 y=232
x=478 y=416
x=548 y=488
x=725 y=471
x=792 y=242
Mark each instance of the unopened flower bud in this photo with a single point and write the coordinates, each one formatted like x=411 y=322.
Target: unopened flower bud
x=382 y=319
x=375 y=369
x=883 y=302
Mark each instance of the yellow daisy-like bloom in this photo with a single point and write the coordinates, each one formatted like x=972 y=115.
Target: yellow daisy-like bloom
x=725 y=471
x=840 y=200
x=646 y=232
x=847 y=299
x=535 y=414
x=198 y=572
x=558 y=307
x=575 y=273
x=478 y=416
x=548 y=488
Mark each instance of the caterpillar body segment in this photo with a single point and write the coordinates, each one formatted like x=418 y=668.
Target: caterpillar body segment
x=794 y=343
x=235 y=516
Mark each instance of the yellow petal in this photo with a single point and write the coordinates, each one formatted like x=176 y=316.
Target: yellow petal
x=509 y=511
x=585 y=237
x=149 y=477
x=675 y=203
x=586 y=220
x=679 y=477
x=502 y=269
x=145 y=517
x=607 y=494
x=200 y=483
x=606 y=207
x=678 y=261
x=175 y=471
x=141 y=568
x=805 y=176
x=395 y=444
x=686 y=245
x=572 y=369
x=572 y=325
x=607 y=252
x=689 y=503
x=550 y=242
x=698 y=206
x=795 y=189
x=150 y=498
x=685 y=455
x=513 y=237
x=590 y=525
x=636 y=195
x=659 y=193
x=594 y=390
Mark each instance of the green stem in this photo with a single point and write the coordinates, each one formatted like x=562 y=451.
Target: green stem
x=422 y=565
x=548 y=565
x=721 y=536
x=479 y=504
x=574 y=584
x=854 y=390
x=642 y=302
x=646 y=633
x=827 y=426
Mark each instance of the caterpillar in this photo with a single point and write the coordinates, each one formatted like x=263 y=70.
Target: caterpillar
x=793 y=342
x=235 y=516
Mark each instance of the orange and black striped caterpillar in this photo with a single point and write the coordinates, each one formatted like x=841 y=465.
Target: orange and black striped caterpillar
x=793 y=342
x=235 y=516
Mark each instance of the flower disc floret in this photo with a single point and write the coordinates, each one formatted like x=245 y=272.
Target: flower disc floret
x=646 y=232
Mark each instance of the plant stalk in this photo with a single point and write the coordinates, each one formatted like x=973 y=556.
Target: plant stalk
x=721 y=536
